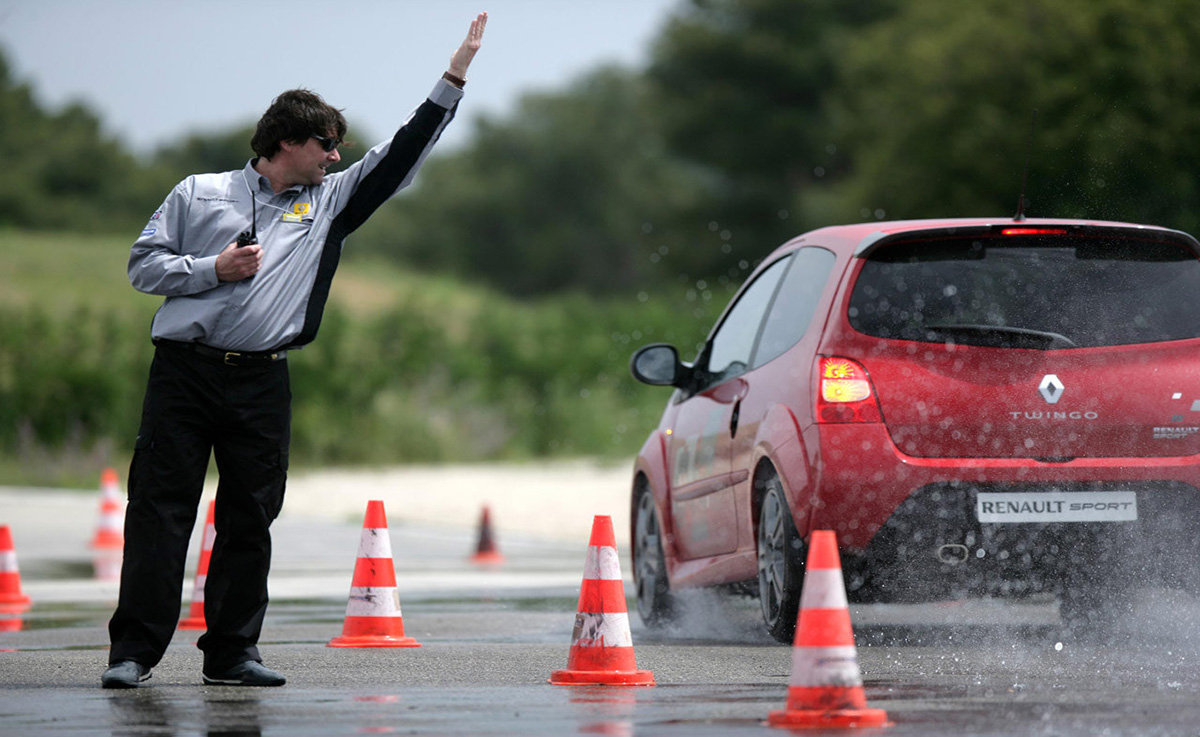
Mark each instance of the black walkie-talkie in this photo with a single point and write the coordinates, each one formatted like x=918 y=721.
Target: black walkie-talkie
x=250 y=237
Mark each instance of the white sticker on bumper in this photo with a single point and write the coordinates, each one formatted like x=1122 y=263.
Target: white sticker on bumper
x=1078 y=506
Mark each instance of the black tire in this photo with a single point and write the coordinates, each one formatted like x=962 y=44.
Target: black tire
x=654 y=601
x=780 y=563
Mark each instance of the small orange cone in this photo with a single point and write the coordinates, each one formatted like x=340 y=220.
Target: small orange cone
x=486 y=552
x=602 y=645
x=826 y=687
x=106 y=564
x=12 y=601
x=373 y=616
x=110 y=532
x=195 y=618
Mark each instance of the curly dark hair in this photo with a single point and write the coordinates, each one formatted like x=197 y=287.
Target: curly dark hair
x=294 y=116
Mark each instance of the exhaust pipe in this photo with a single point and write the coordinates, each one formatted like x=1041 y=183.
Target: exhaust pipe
x=953 y=554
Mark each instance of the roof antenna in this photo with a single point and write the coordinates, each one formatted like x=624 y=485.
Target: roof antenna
x=1020 y=216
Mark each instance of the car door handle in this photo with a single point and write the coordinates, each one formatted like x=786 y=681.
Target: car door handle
x=734 y=417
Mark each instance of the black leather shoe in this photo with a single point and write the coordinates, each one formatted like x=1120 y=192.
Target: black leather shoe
x=249 y=673
x=125 y=674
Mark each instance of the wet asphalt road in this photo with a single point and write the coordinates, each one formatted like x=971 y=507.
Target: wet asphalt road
x=490 y=639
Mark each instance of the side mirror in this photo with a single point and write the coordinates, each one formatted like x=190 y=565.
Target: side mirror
x=658 y=365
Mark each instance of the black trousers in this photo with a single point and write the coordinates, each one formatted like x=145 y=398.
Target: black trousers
x=197 y=407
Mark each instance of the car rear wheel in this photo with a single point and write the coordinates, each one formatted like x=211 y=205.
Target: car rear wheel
x=780 y=563
x=654 y=601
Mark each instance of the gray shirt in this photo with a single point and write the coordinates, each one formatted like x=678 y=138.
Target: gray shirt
x=300 y=229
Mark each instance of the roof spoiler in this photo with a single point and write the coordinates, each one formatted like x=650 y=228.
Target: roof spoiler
x=879 y=238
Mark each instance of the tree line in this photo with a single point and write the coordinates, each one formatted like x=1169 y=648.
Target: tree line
x=753 y=121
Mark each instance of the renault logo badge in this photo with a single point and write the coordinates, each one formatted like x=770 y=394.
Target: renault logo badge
x=1051 y=388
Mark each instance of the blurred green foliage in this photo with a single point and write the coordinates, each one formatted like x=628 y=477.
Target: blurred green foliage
x=936 y=123
x=566 y=196
x=500 y=380
x=406 y=368
x=576 y=225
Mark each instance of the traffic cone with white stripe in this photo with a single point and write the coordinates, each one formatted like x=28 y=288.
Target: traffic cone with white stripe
x=826 y=687
x=373 y=616
x=486 y=552
x=602 y=645
x=195 y=618
x=12 y=601
x=110 y=532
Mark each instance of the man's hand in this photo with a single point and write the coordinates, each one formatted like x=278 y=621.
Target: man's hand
x=462 y=56
x=235 y=264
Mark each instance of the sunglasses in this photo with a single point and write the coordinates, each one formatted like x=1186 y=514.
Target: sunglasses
x=328 y=144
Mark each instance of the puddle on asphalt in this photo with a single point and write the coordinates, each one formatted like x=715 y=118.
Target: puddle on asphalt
x=68 y=615
x=937 y=635
x=59 y=623
x=58 y=570
x=58 y=615
x=489 y=604
x=555 y=604
x=50 y=648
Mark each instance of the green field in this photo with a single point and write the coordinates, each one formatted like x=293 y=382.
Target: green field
x=408 y=367
x=60 y=273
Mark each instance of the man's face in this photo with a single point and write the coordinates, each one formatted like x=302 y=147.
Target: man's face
x=309 y=160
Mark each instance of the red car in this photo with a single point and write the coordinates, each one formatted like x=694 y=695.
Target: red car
x=976 y=407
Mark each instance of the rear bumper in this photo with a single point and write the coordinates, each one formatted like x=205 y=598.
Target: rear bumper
x=909 y=531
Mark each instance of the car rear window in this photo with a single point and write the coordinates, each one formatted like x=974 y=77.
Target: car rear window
x=1039 y=292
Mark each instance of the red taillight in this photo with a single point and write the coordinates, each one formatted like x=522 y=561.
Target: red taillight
x=845 y=393
x=1033 y=231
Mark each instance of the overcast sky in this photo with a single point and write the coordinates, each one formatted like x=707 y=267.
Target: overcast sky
x=154 y=70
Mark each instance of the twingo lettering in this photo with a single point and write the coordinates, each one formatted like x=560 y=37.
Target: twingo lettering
x=1052 y=416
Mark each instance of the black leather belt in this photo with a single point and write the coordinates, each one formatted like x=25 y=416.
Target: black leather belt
x=229 y=358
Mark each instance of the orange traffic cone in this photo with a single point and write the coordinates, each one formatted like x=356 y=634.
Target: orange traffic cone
x=373 y=616
x=12 y=601
x=826 y=687
x=602 y=645
x=110 y=532
x=486 y=552
x=195 y=618
x=106 y=564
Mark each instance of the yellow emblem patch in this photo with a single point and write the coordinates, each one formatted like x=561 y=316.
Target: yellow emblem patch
x=299 y=210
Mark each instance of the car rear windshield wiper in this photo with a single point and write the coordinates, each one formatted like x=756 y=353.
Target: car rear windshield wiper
x=1002 y=336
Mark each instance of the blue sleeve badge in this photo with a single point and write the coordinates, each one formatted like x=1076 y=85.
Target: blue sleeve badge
x=150 y=229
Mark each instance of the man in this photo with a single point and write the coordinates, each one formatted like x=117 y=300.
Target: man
x=245 y=260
